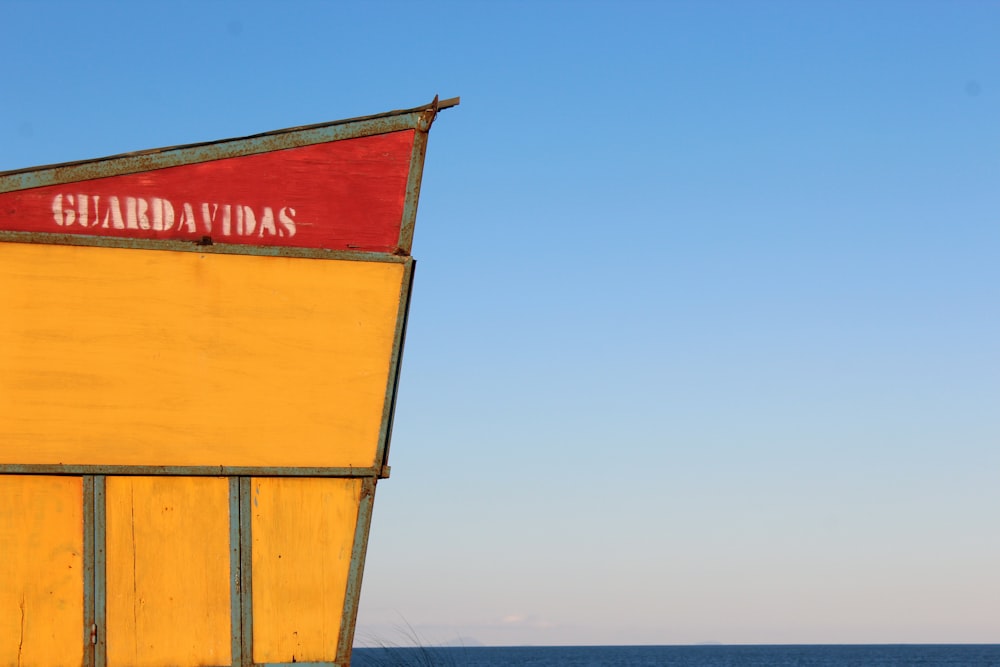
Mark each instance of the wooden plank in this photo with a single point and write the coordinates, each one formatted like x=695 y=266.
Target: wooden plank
x=303 y=533
x=148 y=357
x=168 y=572
x=41 y=571
x=340 y=195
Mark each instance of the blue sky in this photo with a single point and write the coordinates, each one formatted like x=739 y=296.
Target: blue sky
x=704 y=343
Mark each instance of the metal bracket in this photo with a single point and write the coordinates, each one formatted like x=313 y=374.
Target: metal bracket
x=430 y=113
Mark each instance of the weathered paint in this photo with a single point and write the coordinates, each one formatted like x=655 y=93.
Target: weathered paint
x=235 y=592
x=98 y=521
x=246 y=578
x=354 y=578
x=165 y=322
x=263 y=199
x=42 y=570
x=303 y=534
x=149 y=161
x=168 y=572
x=182 y=359
x=90 y=626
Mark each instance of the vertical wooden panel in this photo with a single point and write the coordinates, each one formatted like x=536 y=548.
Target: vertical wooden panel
x=41 y=571
x=168 y=569
x=303 y=533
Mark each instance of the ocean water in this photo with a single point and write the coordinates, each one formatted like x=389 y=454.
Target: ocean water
x=965 y=655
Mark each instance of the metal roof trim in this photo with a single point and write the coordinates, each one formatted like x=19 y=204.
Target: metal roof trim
x=417 y=118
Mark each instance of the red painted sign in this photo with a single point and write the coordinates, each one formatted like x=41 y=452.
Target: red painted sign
x=339 y=195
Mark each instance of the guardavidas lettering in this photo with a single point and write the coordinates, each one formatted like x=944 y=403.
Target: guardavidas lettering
x=161 y=215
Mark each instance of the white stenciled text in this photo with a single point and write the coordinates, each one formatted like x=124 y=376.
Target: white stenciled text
x=161 y=215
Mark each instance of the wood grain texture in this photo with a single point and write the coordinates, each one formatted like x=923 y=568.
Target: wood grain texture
x=146 y=357
x=41 y=571
x=168 y=572
x=303 y=532
x=342 y=195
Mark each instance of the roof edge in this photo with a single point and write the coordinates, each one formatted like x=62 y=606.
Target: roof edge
x=430 y=110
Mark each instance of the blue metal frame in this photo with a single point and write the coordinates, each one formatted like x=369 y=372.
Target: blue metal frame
x=246 y=572
x=89 y=579
x=350 y=614
x=188 y=246
x=235 y=572
x=99 y=526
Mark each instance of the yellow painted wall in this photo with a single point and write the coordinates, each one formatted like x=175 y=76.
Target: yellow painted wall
x=303 y=532
x=41 y=571
x=130 y=357
x=168 y=571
